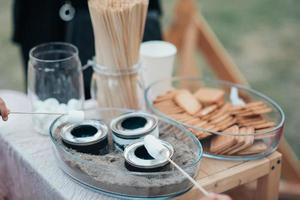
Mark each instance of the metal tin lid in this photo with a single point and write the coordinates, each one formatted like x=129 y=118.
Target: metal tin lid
x=84 y=133
x=136 y=156
x=133 y=125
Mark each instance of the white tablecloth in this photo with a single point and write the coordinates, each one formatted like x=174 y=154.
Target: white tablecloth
x=28 y=169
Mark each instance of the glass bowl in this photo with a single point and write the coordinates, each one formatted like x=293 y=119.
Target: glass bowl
x=267 y=138
x=107 y=173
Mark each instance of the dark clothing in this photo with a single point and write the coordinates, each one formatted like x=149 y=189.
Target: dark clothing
x=38 y=21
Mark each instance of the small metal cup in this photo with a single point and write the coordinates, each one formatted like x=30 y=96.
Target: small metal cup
x=132 y=127
x=138 y=159
x=89 y=136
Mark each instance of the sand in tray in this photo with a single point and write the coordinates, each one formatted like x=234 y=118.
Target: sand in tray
x=109 y=170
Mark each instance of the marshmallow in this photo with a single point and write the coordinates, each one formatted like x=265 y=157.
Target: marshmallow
x=37 y=104
x=51 y=102
x=62 y=108
x=234 y=97
x=75 y=116
x=155 y=148
x=74 y=104
x=51 y=105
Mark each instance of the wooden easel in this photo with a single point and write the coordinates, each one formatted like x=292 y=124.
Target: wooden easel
x=190 y=33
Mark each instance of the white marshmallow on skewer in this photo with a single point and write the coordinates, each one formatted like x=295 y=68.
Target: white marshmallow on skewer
x=155 y=148
x=52 y=106
x=158 y=151
x=75 y=116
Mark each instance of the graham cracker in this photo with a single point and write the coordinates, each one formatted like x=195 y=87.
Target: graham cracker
x=208 y=96
x=248 y=140
x=169 y=95
x=207 y=110
x=264 y=125
x=257 y=147
x=187 y=102
x=222 y=142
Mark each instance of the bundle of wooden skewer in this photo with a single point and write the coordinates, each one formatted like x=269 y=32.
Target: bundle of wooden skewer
x=118 y=29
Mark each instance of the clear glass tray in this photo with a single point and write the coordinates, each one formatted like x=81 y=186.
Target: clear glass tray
x=107 y=173
x=270 y=138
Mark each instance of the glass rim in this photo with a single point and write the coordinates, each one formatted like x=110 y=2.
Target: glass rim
x=271 y=131
x=74 y=52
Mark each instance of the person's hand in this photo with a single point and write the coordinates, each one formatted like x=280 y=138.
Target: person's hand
x=3 y=110
x=213 y=196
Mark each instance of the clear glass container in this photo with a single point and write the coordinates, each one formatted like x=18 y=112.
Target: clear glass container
x=118 y=88
x=268 y=138
x=107 y=173
x=55 y=82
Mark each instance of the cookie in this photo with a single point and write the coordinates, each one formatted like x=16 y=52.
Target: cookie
x=196 y=122
x=173 y=111
x=169 y=95
x=181 y=116
x=257 y=147
x=262 y=111
x=252 y=123
x=228 y=123
x=239 y=141
x=165 y=104
x=248 y=140
x=193 y=121
x=220 y=119
x=187 y=102
x=261 y=133
x=251 y=109
x=169 y=108
x=224 y=109
x=255 y=104
x=264 y=125
x=199 y=134
x=208 y=96
x=207 y=110
x=250 y=119
x=222 y=142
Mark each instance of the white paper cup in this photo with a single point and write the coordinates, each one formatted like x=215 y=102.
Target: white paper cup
x=157 y=59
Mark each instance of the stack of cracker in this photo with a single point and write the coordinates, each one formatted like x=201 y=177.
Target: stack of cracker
x=206 y=111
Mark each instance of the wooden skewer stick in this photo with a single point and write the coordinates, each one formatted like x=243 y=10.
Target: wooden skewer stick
x=196 y=184
x=157 y=150
x=74 y=116
x=35 y=113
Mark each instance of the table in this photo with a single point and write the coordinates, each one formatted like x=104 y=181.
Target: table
x=28 y=169
x=221 y=176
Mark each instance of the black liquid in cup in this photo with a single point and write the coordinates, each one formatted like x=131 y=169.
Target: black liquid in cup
x=133 y=123
x=97 y=147
x=142 y=153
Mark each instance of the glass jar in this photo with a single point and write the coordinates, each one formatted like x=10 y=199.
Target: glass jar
x=55 y=82
x=118 y=88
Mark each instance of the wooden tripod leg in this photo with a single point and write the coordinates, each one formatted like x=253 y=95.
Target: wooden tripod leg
x=215 y=54
x=187 y=59
x=291 y=165
x=188 y=65
x=183 y=13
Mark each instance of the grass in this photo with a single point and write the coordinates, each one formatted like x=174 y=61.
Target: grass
x=260 y=35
